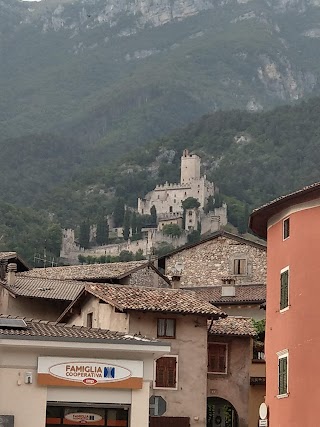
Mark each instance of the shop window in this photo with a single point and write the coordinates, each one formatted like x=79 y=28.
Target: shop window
x=166 y=328
x=283 y=373
x=286 y=228
x=89 y=320
x=166 y=372
x=284 y=289
x=217 y=358
x=240 y=266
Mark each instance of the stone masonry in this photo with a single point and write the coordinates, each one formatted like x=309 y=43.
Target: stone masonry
x=216 y=261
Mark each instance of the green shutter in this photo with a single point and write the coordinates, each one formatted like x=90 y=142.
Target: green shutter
x=284 y=289
x=283 y=375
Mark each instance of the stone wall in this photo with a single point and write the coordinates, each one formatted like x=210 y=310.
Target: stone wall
x=147 y=277
x=209 y=262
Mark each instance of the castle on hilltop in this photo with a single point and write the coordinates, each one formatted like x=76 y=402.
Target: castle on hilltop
x=167 y=198
x=203 y=217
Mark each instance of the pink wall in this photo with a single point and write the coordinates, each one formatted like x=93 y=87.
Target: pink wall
x=296 y=329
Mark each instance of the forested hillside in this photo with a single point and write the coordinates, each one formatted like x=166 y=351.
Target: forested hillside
x=252 y=157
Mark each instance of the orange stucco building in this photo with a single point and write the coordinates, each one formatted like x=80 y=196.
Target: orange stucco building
x=292 y=226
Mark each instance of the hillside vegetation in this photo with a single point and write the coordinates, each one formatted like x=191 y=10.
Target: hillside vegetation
x=252 y=157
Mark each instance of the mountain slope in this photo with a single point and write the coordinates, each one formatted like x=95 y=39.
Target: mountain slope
x=122 y=72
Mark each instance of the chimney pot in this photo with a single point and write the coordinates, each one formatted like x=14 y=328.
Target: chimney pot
x=12 y=268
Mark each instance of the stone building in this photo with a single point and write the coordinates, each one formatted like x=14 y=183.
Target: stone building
x=167 y=198
x=221 y=259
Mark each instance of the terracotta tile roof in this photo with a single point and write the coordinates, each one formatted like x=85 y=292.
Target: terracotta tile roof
x=232 y=325
x=14 y=257
x=7 y=255
x=65 y=290
x=88 y=272
x=259 y=218
x=153 y=299
x=60 y=331
x=254 y=293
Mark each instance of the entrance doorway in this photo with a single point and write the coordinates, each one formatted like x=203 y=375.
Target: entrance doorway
x=220 y=413
x=79 y=416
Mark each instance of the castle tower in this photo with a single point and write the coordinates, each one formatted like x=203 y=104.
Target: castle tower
x=190 y=167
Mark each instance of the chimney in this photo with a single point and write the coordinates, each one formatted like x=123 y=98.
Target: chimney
x=3 y=269
x=175 y=282
x=12 y=268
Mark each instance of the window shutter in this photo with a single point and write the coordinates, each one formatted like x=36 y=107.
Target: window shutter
x=283 y=375
x=160 y=372
x=284 y=291
x=217 y=357
x=166 y=369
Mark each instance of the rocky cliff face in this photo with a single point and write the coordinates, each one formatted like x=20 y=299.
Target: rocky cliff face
x=110 y=62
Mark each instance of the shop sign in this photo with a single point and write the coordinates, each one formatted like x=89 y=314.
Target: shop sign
x=83 y=418
x=85 y=372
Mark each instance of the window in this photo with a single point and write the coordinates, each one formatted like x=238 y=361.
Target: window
x=240 y=266
x=284 y=289
x=166 y=372
x=283 y=373
x=89 y=320
x=170 y=209
x=217 y=358
x=286 y=228
x=190 y=213
x=166 y=328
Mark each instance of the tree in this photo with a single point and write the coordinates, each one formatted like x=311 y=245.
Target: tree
x=84 y=236
x=163 y=248
x=172 y=230
x=139 y=255
x=194 y=236
x=118 y=213
x=126 y=225
x=153 y=213
x=134 y=223
x=102 y=232
x=190 y=203
x=125 y=256
x=210 y=204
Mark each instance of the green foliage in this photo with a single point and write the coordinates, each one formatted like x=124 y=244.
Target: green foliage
x=171 y=230
x=125 y=256
x=163 y=248
x=194 y=236
x=102 y=236
x=153 y=213
x=28 y=232
x=126 y=225
x=190 y=203
x=84 y=234
x=119 y=212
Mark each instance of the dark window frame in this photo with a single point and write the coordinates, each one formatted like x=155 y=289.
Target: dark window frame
x=237 y=266
x=166 y=319
x=90 y=320
x=286 y=228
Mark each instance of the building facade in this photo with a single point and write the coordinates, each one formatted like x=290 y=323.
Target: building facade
x=167 y=198
x=54 y=375
x=223 y=258
x=291 y=225
x=179 y=318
